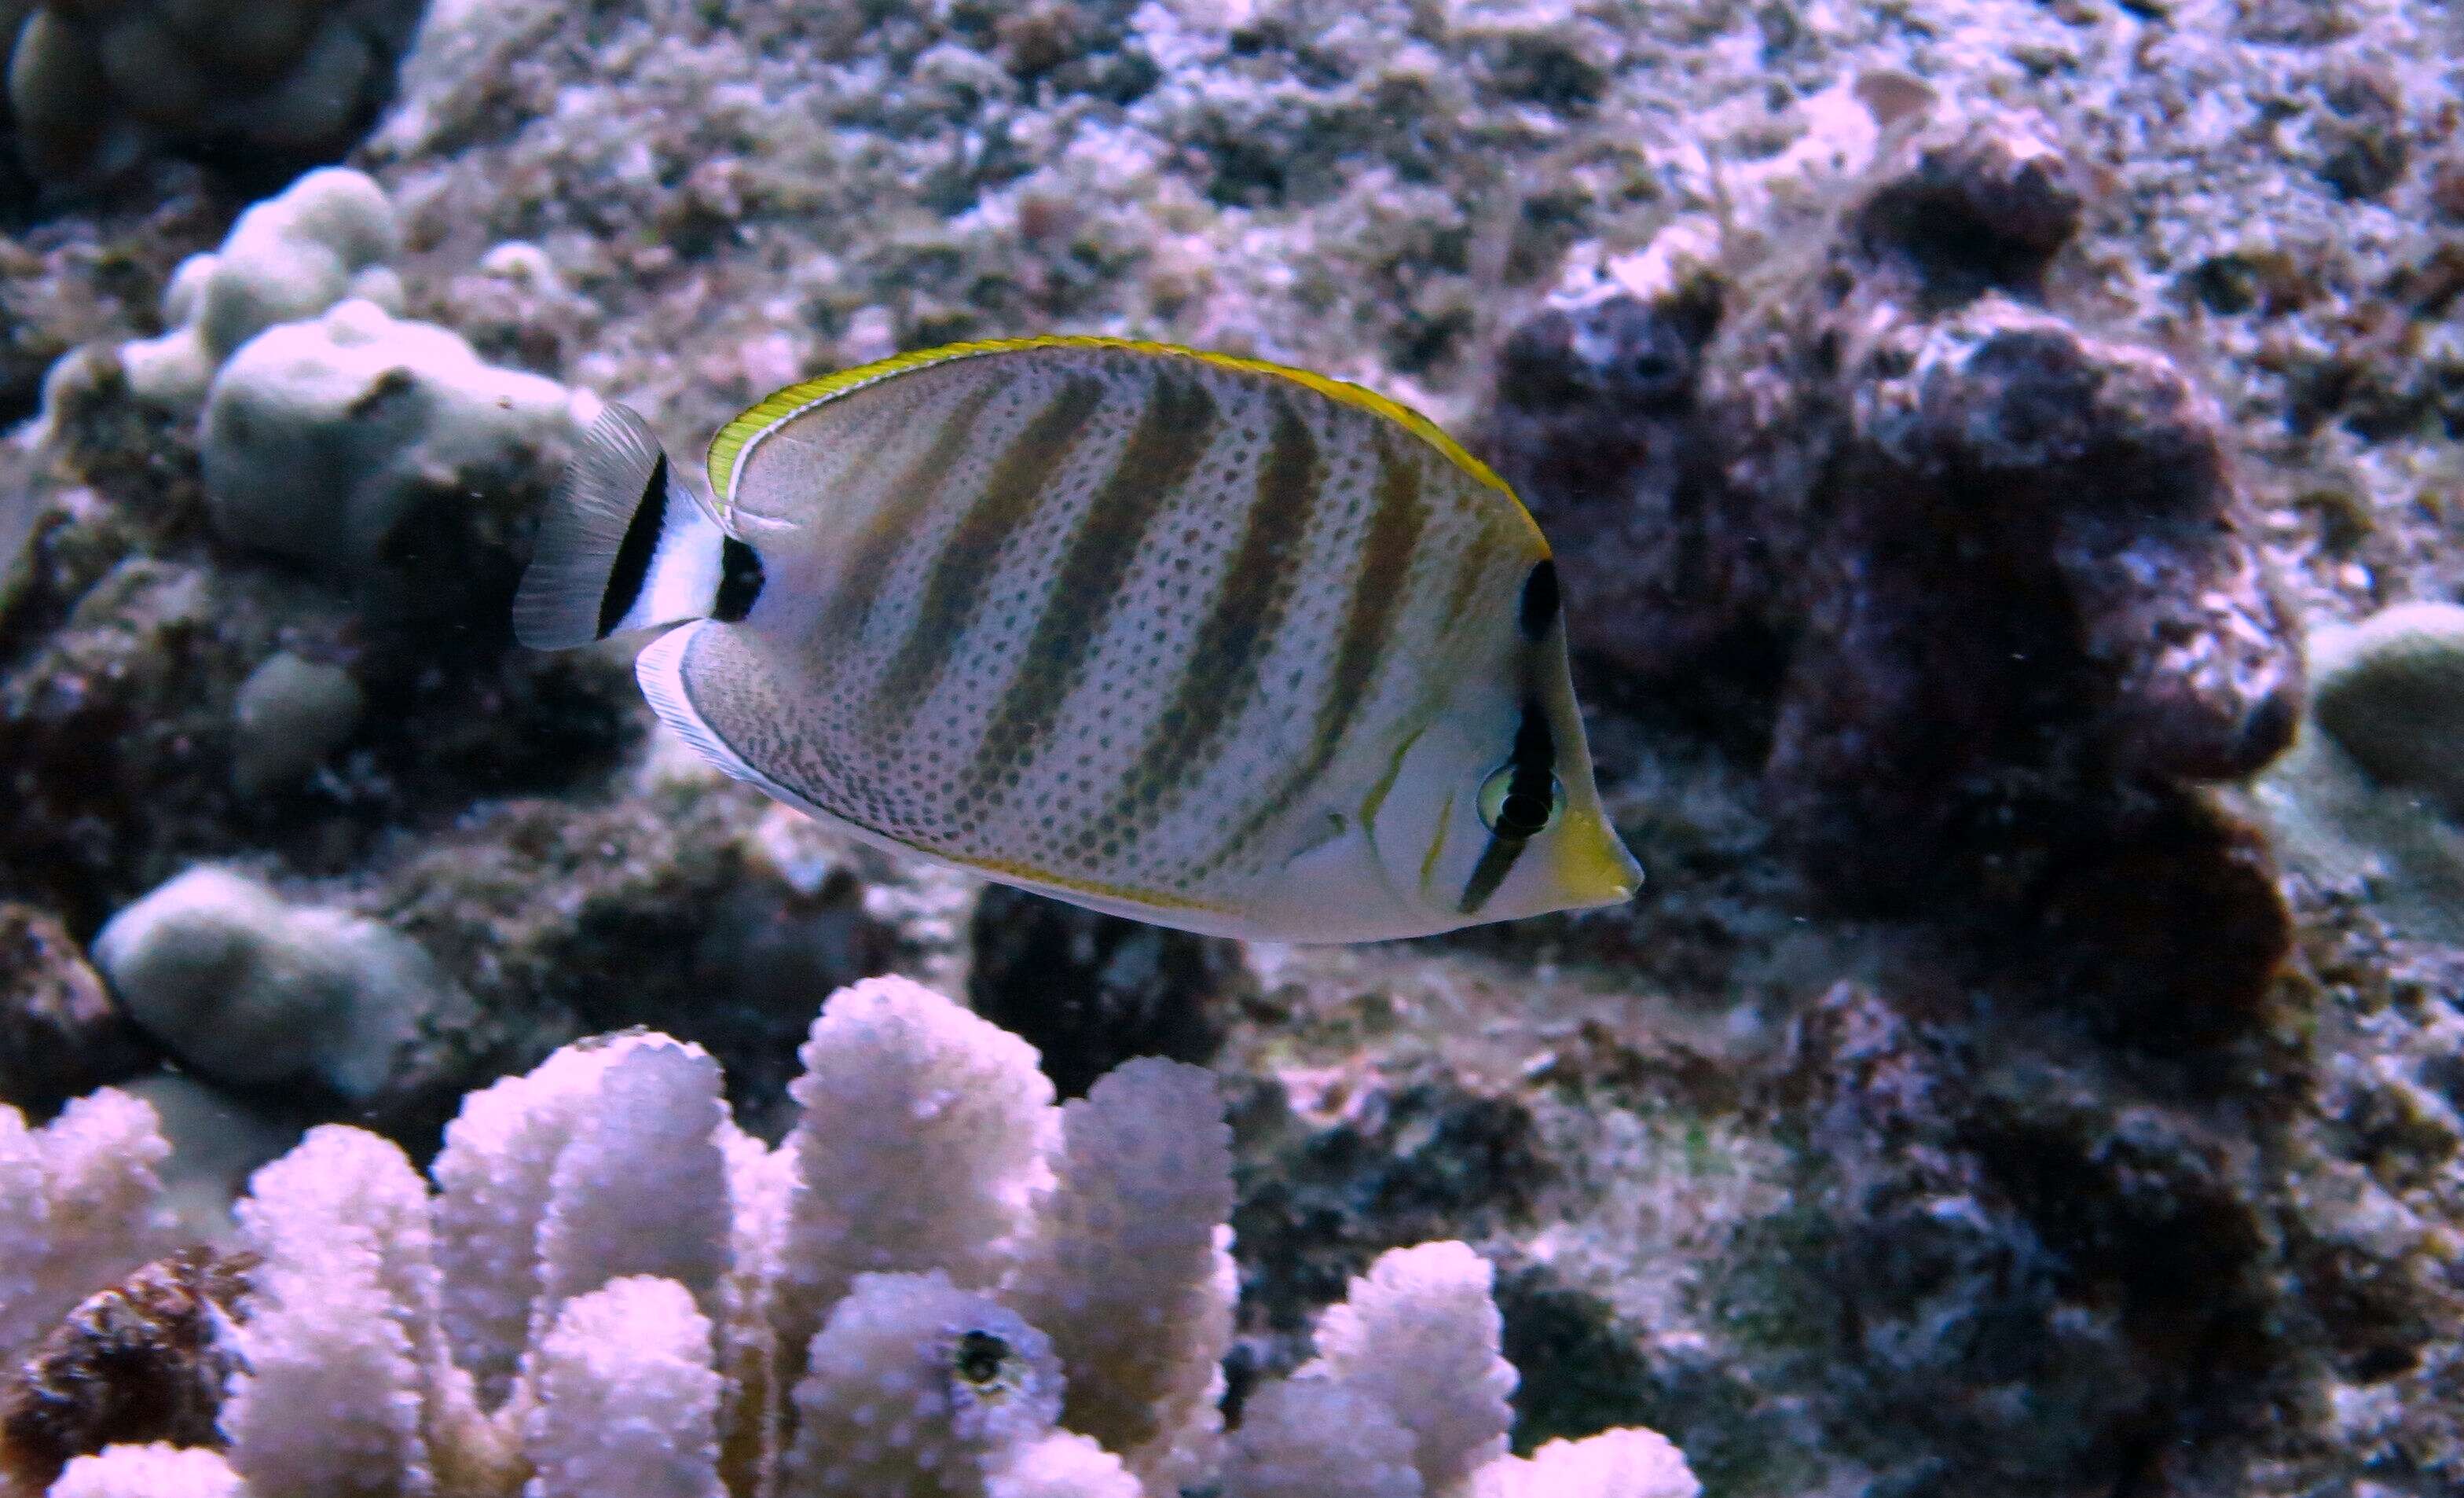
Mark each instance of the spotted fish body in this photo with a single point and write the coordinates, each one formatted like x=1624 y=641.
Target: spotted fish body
x=1212 y=643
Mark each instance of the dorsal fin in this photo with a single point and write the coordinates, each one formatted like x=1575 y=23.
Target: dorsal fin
x=727 y=450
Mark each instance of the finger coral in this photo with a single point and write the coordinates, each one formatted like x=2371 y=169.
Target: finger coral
x=80 y=1205
x=288 y=340
x=406 y=408
x=940 y=1285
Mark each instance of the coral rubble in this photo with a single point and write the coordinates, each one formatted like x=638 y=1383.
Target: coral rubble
x=144 y=1360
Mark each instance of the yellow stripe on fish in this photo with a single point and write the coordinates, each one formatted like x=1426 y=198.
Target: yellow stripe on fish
x=1208 y=641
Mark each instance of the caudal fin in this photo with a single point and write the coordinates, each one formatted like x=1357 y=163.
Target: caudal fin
x=623 y=546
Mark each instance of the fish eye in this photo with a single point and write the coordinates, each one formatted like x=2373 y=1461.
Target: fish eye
x=1514 y=805
x=980 y=1356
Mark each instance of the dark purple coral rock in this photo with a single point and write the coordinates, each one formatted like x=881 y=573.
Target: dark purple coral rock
x=145 y=1360
x=60 y=1034
x=2012 y=587
x=1597 y=427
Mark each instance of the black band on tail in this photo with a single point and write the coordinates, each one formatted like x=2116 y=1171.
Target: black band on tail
x=632 y=567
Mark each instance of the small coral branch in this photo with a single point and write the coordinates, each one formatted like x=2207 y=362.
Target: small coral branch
x=940 y=1285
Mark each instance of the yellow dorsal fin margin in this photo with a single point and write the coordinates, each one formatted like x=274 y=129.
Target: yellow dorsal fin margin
x=727 y=450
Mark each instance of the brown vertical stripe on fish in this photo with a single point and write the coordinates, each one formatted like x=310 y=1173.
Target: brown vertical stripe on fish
x=1220 y=680
x=960 y=575
x=1396 y=517
x=867 y=563
x=1471 y=567
x=1172 y=435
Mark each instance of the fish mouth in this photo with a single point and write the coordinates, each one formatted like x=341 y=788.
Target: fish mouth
x=1600 y=872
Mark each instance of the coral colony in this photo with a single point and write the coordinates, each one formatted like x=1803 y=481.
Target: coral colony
x=939 y=1283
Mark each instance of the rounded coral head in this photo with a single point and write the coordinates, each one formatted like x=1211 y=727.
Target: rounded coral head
x=2390 y=691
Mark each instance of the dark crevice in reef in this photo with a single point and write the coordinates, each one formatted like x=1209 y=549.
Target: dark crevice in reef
x=1090 y=991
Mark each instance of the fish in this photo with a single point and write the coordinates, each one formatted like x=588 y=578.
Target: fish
x=1212 y=643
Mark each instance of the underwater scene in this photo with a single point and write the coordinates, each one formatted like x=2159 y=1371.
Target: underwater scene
x=1232 y=749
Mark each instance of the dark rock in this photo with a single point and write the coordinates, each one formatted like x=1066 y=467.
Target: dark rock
x=2364 y=135
x=1582 y=1370
x=115 y=723
x=60 y=1034
x=2446 y=186
x=1988 y=210
x=1995 y=575
x=1090 y=991
x=2005 y=1275
x=561 y=921
x=2168 y=937
x=1597 y=432
x=144 y=1360
x=1416 y=1157
x=2036 y=591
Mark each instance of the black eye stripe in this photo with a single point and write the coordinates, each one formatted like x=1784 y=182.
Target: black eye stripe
x=1540 y=602
x=1534 y=759
x=1534 y=756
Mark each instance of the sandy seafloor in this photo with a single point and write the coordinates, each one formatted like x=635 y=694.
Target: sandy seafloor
x=2046 y=1154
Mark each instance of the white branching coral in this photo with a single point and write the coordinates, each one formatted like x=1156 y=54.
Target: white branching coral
x=912 y=1384
x=1419 y=1334
x=628 y=1400
x=641 y=1187
x=606 y=1161
x=348 y=1384
x=1062 y=1465
x=1615 y=1464
x=940 y=1285
x=1315 y=1438
x=80 y=1205
x=901 y=1088
x=1128 y=1264
x=149 y=1472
